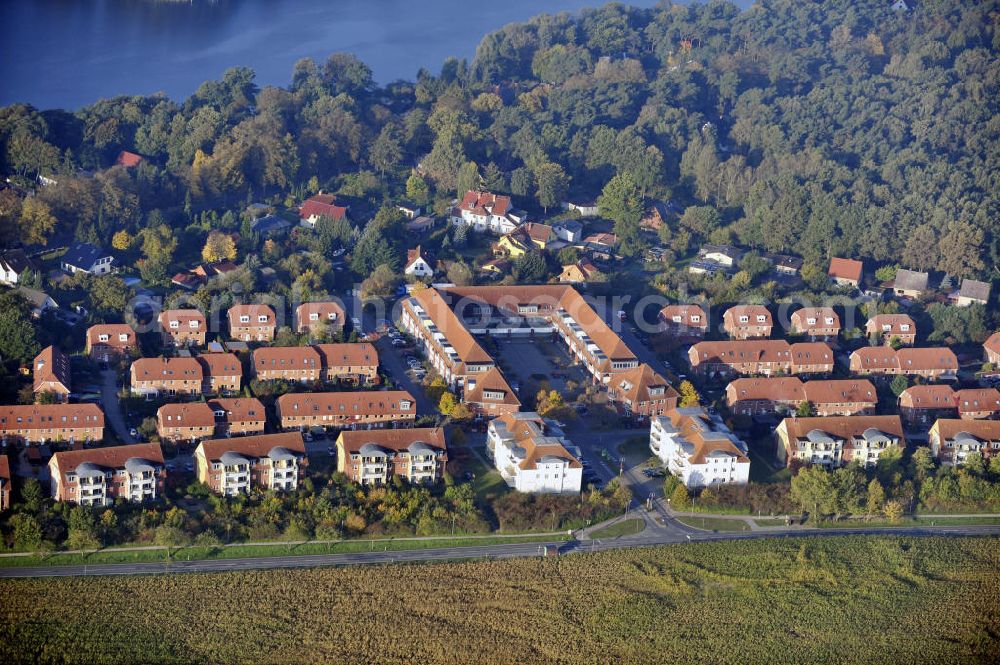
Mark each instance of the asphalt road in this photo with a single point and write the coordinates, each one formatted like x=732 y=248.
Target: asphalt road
x=112 y=405
x=670 y=534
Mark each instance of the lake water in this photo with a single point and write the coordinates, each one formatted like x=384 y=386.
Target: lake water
x=68 y=53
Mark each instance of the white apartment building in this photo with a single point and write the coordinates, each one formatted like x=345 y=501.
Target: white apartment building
x=531 y=455
x=699 y=449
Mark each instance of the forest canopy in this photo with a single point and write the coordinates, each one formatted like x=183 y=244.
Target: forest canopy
x=840 y=127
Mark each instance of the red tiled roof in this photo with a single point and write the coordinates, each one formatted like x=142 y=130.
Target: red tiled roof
x=360 y=354
x=183 y=316
x=392 y=439
x=364 y=403
x=112 y=457
x=927 y=397
x=49 y=416
x=972 y=400
x=128 y=159
x=112 y=330
x=239 y=409
x=186 y=414
x=483 y=203
x=253 y=446
x=322 y=205
x=51 y=366
x=220 y=364
x=253 y=311
x=668 y=313
x=846 y=269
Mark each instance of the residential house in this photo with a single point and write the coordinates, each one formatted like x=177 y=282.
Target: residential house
x=699 y=448
x=128 y=159
x=922 y=405
x=183 y=327
x=602 y=242
x=726 y=256
x=39 y=301
x=346 y=410
x=973 y=292
x=910 y=283
x=14 y=263
x=4 y=483
x=760 y=357
x=835 y=441
x=684 y=321
x=373 y=457
x=578 y=273
x=252 y=323
x=355 y=363
x=42 y=423
x=166 y=376
x=992 y=348
x=287 y=363
x=495 y=268
x=586 y=207
x=409 y=210
x=887 y=327
x=641 y=393
x=52 y=373
x=953 y=441
x=930 y=363
x=202 y=274
x=185 y=423
x=531 y=455
x=784 y=395
x=535 y=234
x=419 y=263
x=231 y=467
x=312 y=314
x=511 y=246
x=111 y=342
x=568 y=230
x=86 y=258
x=99 y=476
x=222 y=373
x=488 y=394
x=977 y=403
x=816 y=322
x=273 y=225
x=747 y=321
x=321 y=205
x=238 y=415
x=784 y=264
x=846 y=272
x=485 y=211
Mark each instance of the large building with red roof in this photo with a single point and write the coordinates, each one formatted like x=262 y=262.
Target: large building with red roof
x=321 y=205
x=99 y=476
x=838 y=440
x=268 y=462
x=373 y=457
x=485 y=211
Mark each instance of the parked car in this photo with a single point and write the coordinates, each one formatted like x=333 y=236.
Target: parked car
x=134 y=433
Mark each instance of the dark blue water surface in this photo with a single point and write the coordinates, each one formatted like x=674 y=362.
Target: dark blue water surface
x=68 y=53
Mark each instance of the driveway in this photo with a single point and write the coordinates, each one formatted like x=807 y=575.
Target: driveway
x=392 y=361
x=112 y=406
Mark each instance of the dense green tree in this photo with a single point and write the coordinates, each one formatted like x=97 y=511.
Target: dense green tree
x=552 y=185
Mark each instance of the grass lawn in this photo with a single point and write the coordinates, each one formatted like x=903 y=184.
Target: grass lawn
x=770 y=521
x=715 y=523
x=623 y=528
x=265 y=550
x=796 y=600
x=971 y=520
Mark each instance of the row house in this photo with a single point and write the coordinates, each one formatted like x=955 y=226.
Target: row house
x=238 y=416
x=641 y=393
x=834 y=441
x=760 y=357
x=287 y=363
x=222 y=373
x=685 y=321
x=922 y=405
x=346 y=410
x=747 y=321
x=153 y=377
x=252 y=323
x=884 y=328
x=953 y=441
x=531 y=455
x=783 y=395
x=816 y=323
x=938 y=363
x=354 y=363
x=183 y=327
x=42 y=423
x=699 y=449
x=231 y=467
x=489 y=395
x=326 y=315
x=99 y=476
x=992 y=349
x=185 y=423
x=52 y=373
x=4 y=483
x=485 y=211
x=111 y=342
x=977 y=403
x=373 y=457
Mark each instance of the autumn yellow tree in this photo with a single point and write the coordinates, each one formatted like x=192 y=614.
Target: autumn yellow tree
x=37 y=221
x=218 y=247
x=121 y=240
x=689 y=396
